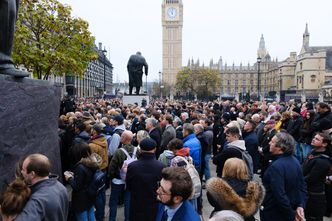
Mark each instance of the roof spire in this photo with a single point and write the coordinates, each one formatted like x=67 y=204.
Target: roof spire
x=306 y=32
x=306 y=36
x=262 y=43
x=261 y=52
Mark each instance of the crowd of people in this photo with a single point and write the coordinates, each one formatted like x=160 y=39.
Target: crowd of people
x=156 y=157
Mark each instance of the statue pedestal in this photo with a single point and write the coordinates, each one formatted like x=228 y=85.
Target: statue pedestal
x=29 y=111
x=132 y=99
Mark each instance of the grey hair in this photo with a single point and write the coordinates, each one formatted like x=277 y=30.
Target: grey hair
x=141 y=134
x=152 y=121
x=286 y=142
x=188 y=127
x=199 y=127
x=177 y=120
x=185 y=114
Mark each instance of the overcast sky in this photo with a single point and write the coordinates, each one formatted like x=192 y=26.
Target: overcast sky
x=211 y=28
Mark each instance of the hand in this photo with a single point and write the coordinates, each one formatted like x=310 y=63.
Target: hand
x=299 y=216
x=68 y=175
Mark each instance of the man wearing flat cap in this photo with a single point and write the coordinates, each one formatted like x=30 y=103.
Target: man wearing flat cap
x=142 y=180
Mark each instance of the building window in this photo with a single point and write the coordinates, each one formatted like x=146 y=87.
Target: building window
x=313 y=78
x=301 y=66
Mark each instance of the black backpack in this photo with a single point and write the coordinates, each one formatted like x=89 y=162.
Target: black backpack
x=97 y=183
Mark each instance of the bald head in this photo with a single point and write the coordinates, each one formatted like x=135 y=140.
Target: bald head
x=38 y=165
x=126 y=137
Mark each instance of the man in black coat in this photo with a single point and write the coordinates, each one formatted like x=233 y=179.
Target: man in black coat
x=142 y=181
x=135 y=71
x=154 y=133
x=315 y=170
x=323 y=112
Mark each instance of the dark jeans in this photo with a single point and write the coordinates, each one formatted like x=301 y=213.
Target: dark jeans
x=116 y=190
x=100 y=204
x=315 y=208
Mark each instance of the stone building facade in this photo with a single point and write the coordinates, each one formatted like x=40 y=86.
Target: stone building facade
x=307 y=75
x=92 y=83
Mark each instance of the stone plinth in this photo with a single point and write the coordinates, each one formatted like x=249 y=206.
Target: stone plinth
x=29 y=112
x=131 y=99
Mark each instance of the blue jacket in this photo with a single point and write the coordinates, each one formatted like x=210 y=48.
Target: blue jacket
x=185 y=213
x=194 y=145
x=285 y=189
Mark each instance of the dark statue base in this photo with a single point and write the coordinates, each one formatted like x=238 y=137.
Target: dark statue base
x=29 y=123
x=132 y=99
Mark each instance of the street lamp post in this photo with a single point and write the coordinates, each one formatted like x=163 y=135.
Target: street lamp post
x=160 y=86
x=259 y=59
x=104 y=51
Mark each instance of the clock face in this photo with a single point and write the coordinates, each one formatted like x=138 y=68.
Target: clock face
x=171 y=12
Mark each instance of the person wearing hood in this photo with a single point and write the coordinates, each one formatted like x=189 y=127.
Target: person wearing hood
x=98 y=145
x=86 y=165
x=231 y=150
x=172 y=147
x=234 y=191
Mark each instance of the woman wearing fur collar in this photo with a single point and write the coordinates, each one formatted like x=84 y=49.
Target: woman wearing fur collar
x=234 y=191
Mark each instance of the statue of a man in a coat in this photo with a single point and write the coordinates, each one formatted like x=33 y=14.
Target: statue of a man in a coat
x=135 y=71
x=8 y=15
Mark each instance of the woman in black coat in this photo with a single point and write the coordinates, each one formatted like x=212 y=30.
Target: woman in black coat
x=85 y=166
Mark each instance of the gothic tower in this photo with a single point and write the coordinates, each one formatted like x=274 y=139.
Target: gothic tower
x=172 y=20
x=261 y=52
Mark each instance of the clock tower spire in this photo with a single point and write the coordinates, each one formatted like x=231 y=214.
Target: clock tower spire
x=172 y=21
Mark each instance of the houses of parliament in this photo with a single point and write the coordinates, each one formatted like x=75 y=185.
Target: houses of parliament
x=307 y=75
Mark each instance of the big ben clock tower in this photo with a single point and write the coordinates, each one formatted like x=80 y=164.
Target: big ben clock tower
x=172 y=20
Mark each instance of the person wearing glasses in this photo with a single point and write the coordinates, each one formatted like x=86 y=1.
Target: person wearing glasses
x=173 y=192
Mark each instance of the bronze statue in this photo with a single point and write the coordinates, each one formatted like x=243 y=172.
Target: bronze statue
x=135 y=71
x=8 y=16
